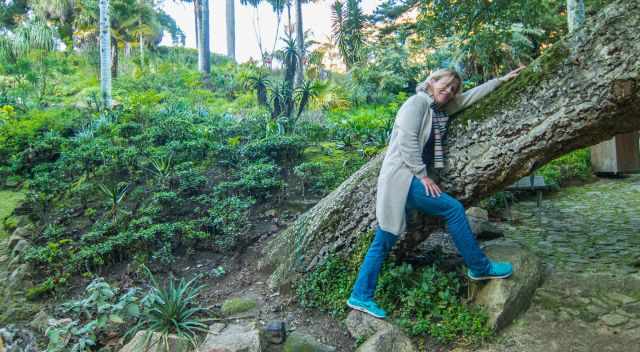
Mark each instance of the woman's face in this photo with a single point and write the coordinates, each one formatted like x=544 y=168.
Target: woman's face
x=444 y=89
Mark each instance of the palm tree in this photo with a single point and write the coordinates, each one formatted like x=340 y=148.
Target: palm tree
x=231 y=29
x=204 y=54
x=300 y=42
x=278 y=9
x=348 y=22
x=105 y=54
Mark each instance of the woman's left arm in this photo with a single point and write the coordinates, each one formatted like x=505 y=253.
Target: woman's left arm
x=466 y=99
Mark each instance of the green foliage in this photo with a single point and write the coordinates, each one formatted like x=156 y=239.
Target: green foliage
x=92 y=317
x=572 y=166
x=172 y=309
x=422 y=301
x=428 y=300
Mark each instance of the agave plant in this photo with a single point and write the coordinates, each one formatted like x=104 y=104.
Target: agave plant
x=162 y=169
x=260 y=82
x=172 y=310
x=115 y=196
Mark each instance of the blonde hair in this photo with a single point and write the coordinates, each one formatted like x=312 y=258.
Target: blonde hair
x=438 y=75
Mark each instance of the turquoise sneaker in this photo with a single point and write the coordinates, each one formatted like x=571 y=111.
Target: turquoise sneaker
x=369 y=307
x=497 y=270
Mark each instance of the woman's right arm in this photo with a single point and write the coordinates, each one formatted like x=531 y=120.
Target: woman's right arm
x=408 y=123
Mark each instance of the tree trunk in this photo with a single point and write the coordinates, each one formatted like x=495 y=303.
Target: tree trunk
x=114 y=56
x=583 y=90
x=231 y=29
x=197 y=16
x=300 y=42
x=575 y=14
x=141 y=43
x=204 y=54
x=105 y=54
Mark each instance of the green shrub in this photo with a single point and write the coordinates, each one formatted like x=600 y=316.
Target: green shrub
x=172 y=309
x=573 y=166
x=102 y=310
x=422 y=301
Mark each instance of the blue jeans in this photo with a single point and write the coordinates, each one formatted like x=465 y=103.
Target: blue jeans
x=444 y=206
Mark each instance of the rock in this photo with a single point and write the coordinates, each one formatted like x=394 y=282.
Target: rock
x=233 y=338
x=505 y=299
x=481 y=226
x=275 y=332
x=633 y=308
x=478 y=213
x=13 y=240
x=21 y=232
x=388 y=340
x=40 y=322
x=620 y=298
x=20 y=247
x=298 y=342
x=614 y=319
x=362 y=325
x=18 y=275
x=238 y=305
x=17 y=339
x=155 y=343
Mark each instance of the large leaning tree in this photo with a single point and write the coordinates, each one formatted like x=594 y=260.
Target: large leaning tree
x=581 y=91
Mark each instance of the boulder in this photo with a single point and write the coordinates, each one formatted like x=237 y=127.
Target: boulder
x=275 y=332
x=481 y=226
x=361 y=325
x=297 y=342
x=19 y=248
x=238 y=305
x=18 y=275
x=505 y=299
x=233 y=338
x=388 y=340
x=145 y=341
x=21 y=233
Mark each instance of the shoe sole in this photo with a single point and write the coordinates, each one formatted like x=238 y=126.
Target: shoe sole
x=365 y=311
x=480 y=278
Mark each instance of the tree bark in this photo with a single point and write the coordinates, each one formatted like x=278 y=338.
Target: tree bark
x=204 y=54
x=583 y=90
x=197 y=16
x=231 y=29
x=105 y=54
x=299 y=77
x=575 y=14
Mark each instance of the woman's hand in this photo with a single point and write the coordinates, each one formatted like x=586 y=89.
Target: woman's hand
x=513 y=74
x=431 y=188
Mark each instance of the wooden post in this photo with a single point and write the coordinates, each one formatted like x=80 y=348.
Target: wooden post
x=619 y=155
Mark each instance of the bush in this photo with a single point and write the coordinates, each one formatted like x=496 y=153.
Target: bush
x=422 y=301
x=573 y=166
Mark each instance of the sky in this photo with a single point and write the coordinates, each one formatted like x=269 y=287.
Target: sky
x=316 y=16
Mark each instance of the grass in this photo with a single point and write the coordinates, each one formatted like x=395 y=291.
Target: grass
x=8 y=201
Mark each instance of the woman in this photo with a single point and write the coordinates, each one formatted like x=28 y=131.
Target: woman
x=416 y=145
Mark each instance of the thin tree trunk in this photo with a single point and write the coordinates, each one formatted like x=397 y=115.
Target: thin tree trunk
x=583 y=90
x=300 y=42
x=105 y=54
x=141 y=41
x=114 y=63
x=231 y=29
x=575 y=14
x=198 y=16
x=290 y=26
x=204 y=54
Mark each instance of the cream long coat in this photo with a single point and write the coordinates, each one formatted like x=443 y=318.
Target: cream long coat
x=403 y=158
